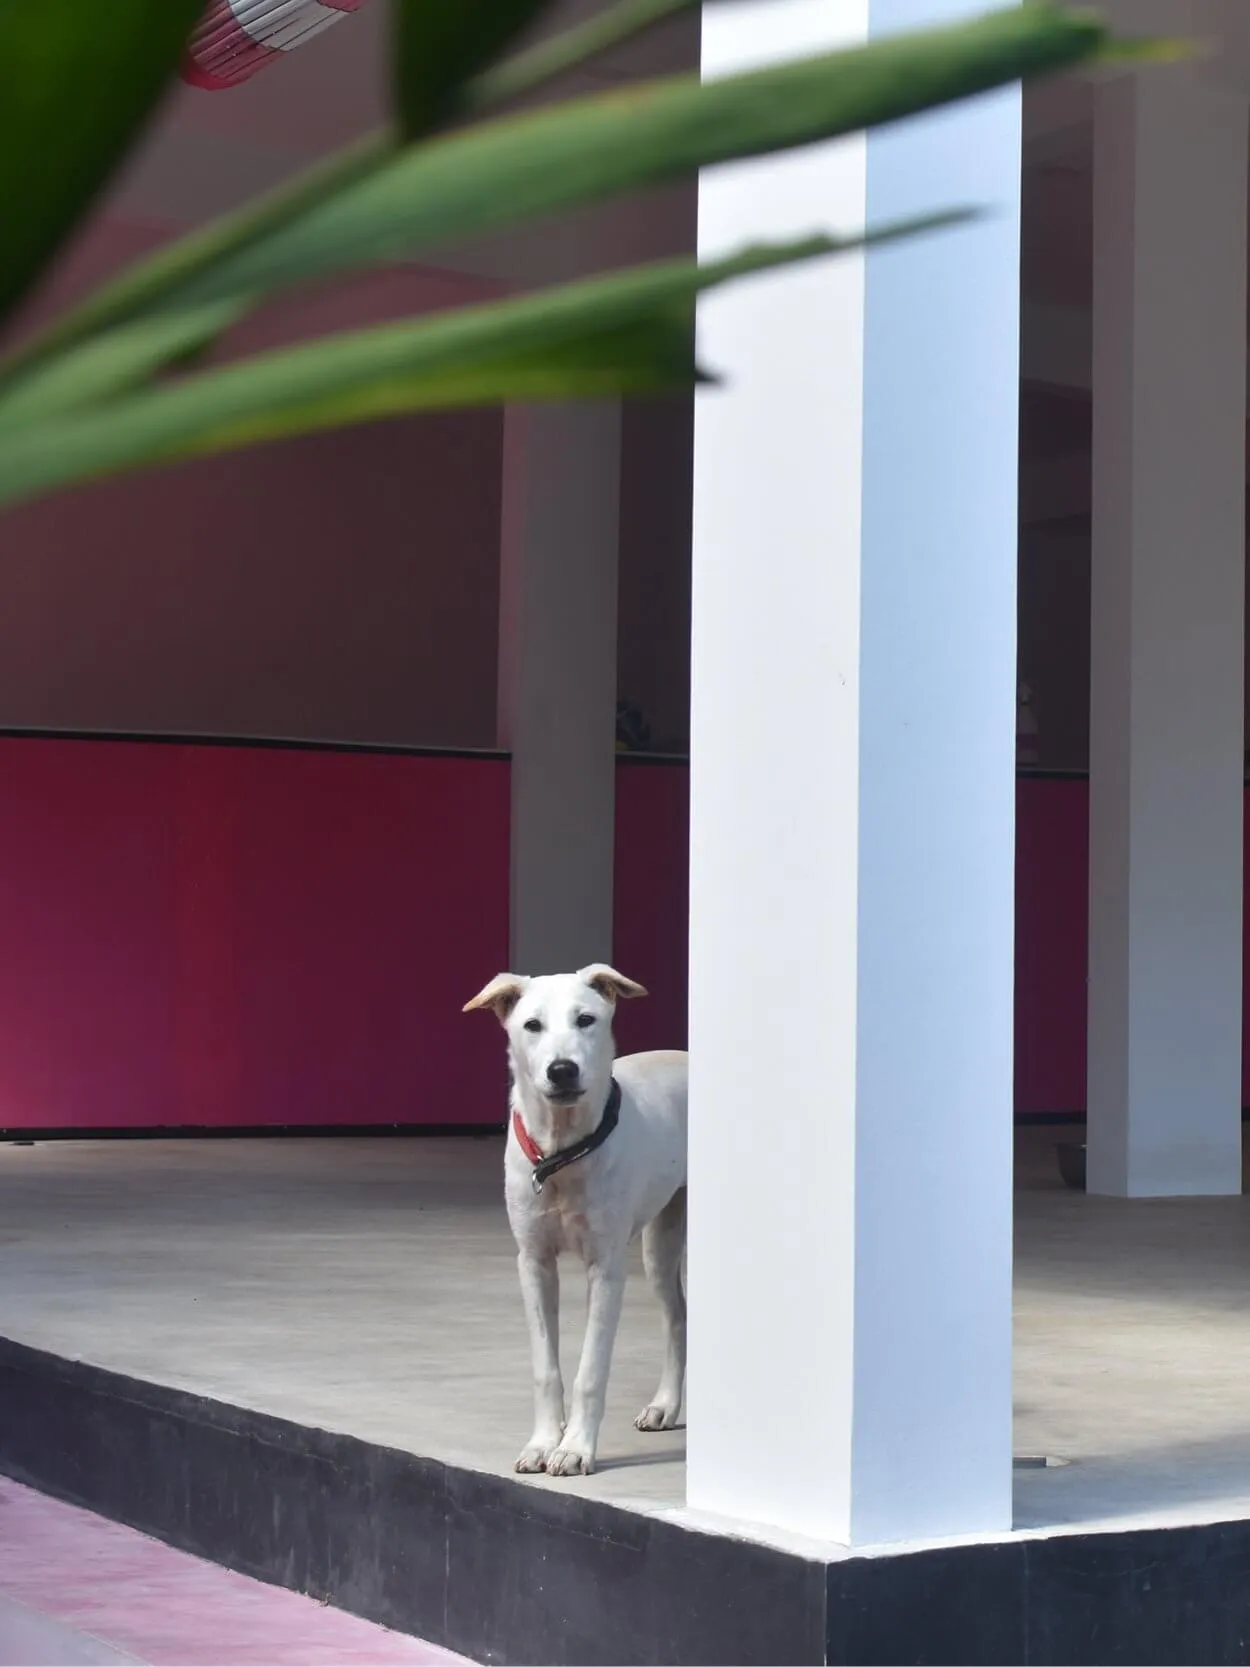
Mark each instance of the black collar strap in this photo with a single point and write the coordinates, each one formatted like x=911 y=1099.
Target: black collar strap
x=545 y=1168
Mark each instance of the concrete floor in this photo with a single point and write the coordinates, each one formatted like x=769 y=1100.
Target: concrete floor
x=1132 y=1352
x=368 y=1286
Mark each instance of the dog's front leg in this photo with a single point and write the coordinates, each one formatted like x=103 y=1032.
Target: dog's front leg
x=540 y=1291
x=575 y=1455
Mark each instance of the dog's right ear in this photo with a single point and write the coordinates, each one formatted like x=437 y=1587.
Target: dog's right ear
x=501 y=994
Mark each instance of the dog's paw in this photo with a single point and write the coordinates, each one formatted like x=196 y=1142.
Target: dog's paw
x=534 y=1460
x=657 y=1417
x=571 y=1461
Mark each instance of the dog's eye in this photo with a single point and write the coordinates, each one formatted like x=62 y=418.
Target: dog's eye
x=585 y=1020
x=534 y=1025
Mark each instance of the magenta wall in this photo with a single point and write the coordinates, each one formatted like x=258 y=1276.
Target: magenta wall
x=652 y=901
x=1052 y=945
x=1052 y=937
x=234 y=935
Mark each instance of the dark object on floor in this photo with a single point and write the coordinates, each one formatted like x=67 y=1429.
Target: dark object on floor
x=633 y=732
x=1071 y=1155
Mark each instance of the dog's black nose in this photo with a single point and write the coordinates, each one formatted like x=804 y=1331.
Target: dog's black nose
x=562 y=1074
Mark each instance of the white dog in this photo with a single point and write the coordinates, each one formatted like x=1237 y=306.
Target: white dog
x=595 y=1156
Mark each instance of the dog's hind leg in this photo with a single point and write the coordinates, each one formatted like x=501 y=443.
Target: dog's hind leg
x=663 y=1241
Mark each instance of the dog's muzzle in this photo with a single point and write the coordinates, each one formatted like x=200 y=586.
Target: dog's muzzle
x=564 y=1081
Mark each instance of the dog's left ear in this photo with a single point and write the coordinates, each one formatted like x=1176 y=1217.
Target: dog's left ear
x=501 y=994
x=611 y=985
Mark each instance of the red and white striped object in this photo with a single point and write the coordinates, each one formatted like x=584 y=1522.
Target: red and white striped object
x=235 y=38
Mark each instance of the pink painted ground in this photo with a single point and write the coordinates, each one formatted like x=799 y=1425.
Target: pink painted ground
x=82 y=1582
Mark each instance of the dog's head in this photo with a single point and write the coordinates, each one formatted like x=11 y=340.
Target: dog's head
x=559 y=1027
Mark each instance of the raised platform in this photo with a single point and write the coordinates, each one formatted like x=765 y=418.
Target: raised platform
x=306 y=1359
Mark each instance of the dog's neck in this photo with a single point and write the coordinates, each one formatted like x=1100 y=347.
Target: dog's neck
x=554 y=1127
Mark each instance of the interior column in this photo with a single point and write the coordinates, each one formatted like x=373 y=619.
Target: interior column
x=852 y=826
x=557 y=677
x=1168 y=626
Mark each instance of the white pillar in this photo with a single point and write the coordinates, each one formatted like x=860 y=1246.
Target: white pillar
x=1167 y=700
x=557 y=677
x=852 y=828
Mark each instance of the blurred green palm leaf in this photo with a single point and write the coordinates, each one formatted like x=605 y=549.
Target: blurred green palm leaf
x=589 y=150
x=631 y=332
x=439 y=48
x=76 y=85
x=93 y=394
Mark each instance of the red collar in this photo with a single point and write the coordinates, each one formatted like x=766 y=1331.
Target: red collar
x=545 y=1168
x=526 y=1140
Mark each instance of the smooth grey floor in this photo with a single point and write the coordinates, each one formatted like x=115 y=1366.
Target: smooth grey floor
x=369 y=1286
x=1132 y=1352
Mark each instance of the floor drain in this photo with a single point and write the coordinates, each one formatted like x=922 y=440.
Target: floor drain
x=1038 y=1461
